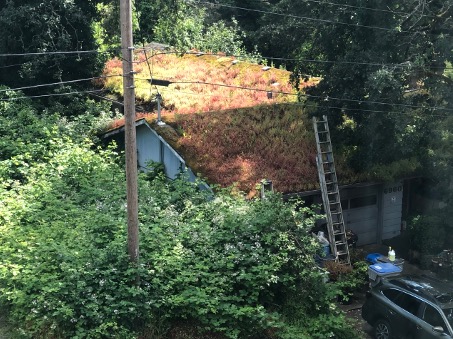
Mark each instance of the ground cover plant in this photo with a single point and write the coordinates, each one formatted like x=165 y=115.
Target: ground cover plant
x=227 y=265
x=196 y=91
x=229 y=135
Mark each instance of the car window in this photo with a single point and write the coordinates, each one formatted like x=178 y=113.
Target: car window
x=449 y=314
x=433 y=317
x=403 y=300
x=392 y=294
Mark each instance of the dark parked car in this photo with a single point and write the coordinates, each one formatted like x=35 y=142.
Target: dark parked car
x=410 y=308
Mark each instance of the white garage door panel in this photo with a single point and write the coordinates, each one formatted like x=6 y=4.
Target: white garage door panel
x=361 y=214
x=362 y=227
x=389 y=235
x=392 y=226
x=366 y=231
x=367 y=238
x=395 y=215
x=390 y=203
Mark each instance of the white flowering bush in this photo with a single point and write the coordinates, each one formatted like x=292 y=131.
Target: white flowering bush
x=223 y=263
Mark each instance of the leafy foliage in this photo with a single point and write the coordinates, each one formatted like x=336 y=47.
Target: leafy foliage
x=213 y=83
x=430 y=233
x=388 y=87
x=245 y=146
x=49 y=26
x=224 y=263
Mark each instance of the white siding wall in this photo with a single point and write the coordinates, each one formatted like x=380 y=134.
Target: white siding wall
x=361 y=212
x=392 y=202
x=147 y=146
x=150 y=146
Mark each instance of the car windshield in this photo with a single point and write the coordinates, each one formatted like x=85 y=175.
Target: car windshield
x=449 y=314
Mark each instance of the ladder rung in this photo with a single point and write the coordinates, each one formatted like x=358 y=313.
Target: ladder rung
x=341 y=234
x=330 y=191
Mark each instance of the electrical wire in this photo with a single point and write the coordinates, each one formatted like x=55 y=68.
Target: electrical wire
x=406 y=64
x=114 y=101
x=106 y=99
x=50 y=53
x=307 y=105
x=8 y=66
x=365 y=8
x=325 y=98
x=49 y=95
x=292 y=16
x=231 y=55
x=58 y=83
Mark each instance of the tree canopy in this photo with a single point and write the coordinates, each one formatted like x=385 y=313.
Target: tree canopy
x=46 y=27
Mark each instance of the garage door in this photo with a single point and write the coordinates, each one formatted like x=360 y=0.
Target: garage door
x=360 y=215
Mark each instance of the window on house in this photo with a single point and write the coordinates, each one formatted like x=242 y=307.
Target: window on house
x=363 y=201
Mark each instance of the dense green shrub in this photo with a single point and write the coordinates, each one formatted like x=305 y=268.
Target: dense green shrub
x=65 y=269
x=229 y=265
x=428 y=233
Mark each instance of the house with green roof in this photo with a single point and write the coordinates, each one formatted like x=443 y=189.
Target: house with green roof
x=239 y=135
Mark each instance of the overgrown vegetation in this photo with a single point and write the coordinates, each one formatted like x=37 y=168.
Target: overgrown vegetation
x=230 y=266
x=213 y=83
x=431 y=233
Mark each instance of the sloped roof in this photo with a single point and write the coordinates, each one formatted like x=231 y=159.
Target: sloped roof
x=232 y=134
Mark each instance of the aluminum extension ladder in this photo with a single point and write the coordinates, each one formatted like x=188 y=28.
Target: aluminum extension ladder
x=330 y=192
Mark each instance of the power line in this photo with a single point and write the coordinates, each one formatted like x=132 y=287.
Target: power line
x=58 y=83
x=307 y=105
x=49 y=95
x=113 y=101
x=14 y=65
x=313 y=19
x=345 y=62
x=239 y=56
x=366 y=8
x=303 y=17
x=325 y=98
x=106 y=99
x=50 y=53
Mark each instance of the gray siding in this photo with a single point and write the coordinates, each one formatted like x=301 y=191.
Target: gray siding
x=392 y=204
x=147 y=147
x=361 y=212
x=151 y=146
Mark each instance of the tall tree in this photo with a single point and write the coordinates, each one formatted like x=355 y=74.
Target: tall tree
x=382 y=65
x=30 y=26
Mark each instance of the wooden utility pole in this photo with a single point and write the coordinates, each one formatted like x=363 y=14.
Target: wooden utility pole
x=130 y=137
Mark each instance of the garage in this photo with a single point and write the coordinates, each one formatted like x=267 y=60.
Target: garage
x=361 y=213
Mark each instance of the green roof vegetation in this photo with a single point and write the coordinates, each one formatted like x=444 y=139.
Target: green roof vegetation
x=232 y=136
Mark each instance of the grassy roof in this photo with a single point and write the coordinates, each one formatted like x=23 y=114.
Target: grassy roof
x=226 y=134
